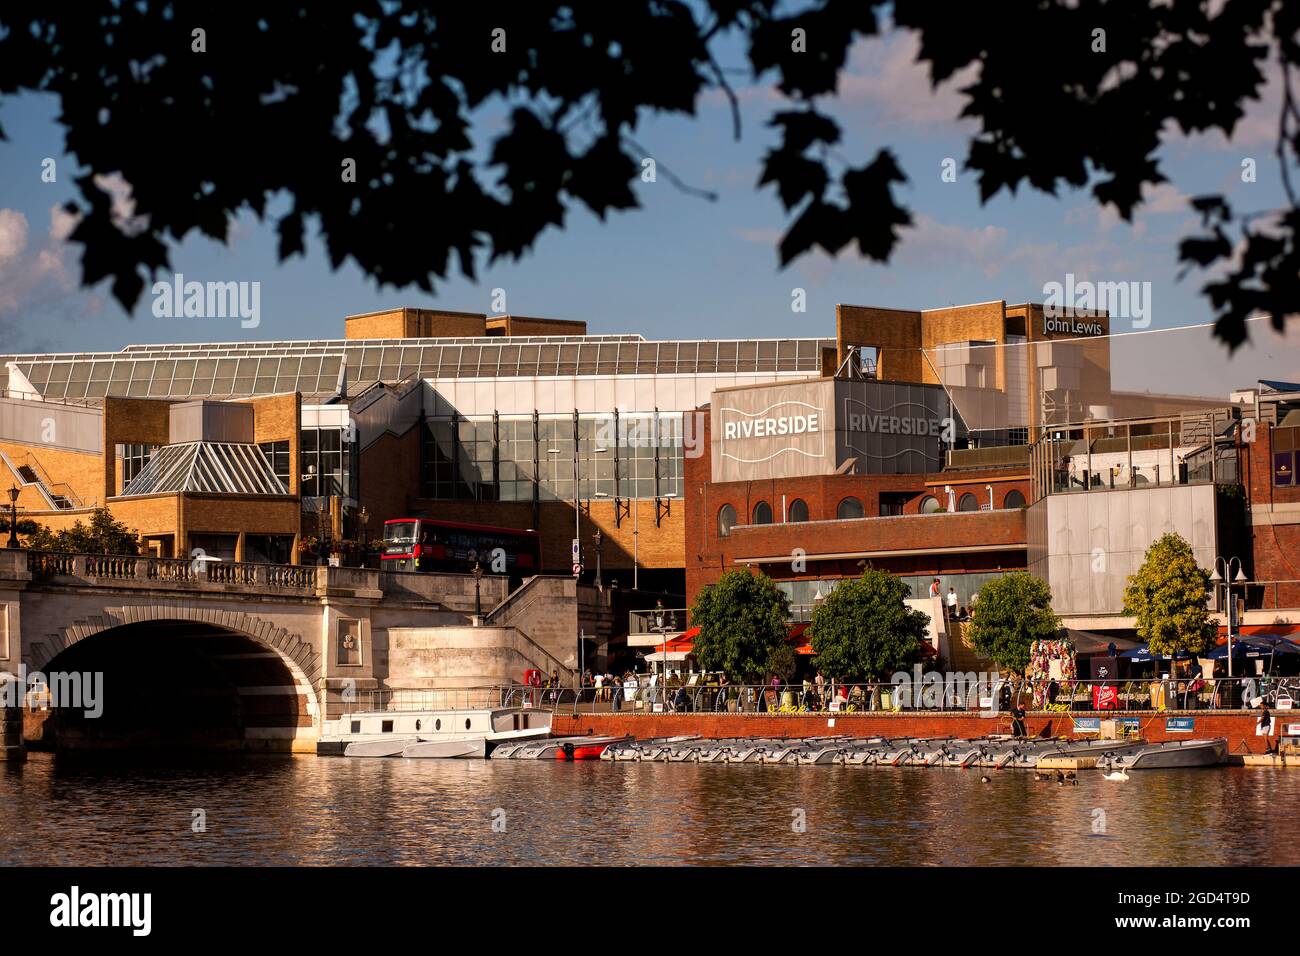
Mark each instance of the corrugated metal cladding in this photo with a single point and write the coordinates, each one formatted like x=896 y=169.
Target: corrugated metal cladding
x=323 y=367
x=213 y=467
x=815 y=427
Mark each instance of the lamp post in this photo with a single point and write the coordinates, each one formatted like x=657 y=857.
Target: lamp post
x=577 y=502
x=599 y=538
x=478 y=593
x=365 y=535
x=13 y=518
x=1228 y=579
x=662 y=628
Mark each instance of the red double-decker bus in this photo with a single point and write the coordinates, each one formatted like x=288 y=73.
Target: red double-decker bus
x=423 y=544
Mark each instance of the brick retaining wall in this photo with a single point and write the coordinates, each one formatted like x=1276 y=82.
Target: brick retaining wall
x=1238 y=728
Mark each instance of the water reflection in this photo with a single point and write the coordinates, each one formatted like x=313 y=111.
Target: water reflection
x=318 y=811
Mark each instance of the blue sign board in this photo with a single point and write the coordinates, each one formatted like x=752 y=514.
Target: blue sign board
x=1179 y=725
x=1087 y=725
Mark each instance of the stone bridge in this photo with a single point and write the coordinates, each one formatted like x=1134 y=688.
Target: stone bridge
x=252 y=656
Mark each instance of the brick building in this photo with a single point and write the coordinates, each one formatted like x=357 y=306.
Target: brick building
x=950 y=442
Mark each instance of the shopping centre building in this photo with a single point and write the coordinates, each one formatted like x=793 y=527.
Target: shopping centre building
x=959 y=443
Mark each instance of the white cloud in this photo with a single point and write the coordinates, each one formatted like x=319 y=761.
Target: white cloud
x=883 y=77
x=31 y=274
x=13 y=234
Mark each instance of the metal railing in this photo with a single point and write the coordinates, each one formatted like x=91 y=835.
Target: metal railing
x=669 y=620
x=442 y=698
x=1093 y=697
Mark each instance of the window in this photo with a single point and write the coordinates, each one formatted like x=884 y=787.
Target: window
x=968 y=502
x=798 y=510
x=386 y=727
x=277 y=456
x=134 y=458
x=356 y=726
x=849 y=508
x=762 y=513
x=726 y=520
x=893 y=502
x=929 y=505
x=1014 y=499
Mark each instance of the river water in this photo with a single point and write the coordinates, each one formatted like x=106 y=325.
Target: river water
x=257 y=810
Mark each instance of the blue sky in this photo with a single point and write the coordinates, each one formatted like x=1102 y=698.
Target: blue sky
x=680 y=266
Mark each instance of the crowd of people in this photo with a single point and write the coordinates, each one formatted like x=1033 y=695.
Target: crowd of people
x=715 y=692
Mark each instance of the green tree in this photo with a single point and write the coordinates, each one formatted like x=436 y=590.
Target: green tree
x=783 y=663
x=497 y=120
x=742 y=621
x=104 y=535
x=864 y=631
x=26 y=527
x=1013 y=611
x=1167 y=598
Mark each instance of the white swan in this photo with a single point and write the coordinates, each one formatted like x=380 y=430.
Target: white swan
x=1117 y=775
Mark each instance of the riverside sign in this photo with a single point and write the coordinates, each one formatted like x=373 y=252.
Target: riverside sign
x=814 y=427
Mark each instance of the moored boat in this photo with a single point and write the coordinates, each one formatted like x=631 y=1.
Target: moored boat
x=471 y=732
x=588 y=748
x=1167 y=755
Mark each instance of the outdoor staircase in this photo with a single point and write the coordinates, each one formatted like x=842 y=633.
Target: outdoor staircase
x=58 y=496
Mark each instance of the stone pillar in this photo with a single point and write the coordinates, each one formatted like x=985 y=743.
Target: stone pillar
x=11 y=719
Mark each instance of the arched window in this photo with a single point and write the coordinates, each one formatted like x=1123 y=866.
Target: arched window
x=1014 y=499
x=762 y=513
x=726 y=520
x=968 y=502
x=849 y=508
x=929 y=505
x=798 y=510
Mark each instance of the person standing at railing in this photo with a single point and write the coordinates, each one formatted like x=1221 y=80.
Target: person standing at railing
x=820 y=681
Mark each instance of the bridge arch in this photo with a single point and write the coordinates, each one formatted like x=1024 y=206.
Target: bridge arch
x=183 y=675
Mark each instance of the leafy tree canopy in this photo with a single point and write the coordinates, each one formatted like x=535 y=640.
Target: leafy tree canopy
x=742 y=622
x=1168 y=599
x=103 y=535
x=272 y=101
x=864 y=631
x=1012 y=612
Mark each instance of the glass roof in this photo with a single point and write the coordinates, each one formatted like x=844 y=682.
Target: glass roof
x=215 y=467
x=324 y=367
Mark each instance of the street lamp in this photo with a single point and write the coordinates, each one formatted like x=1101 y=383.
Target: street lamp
x=599 y=538
x=662 y=626
x=365 y=535
x=478 y=594
x=13 y=517
x=577 y=504
x=1227 y=579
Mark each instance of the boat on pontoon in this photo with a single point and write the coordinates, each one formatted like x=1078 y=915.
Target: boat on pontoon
x=789 y=751
x=469 y=732
x=559 y=748
x=835 y=752
x=1167 y=755
x=588 y=748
